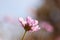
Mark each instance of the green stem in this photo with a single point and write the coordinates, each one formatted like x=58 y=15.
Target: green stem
x=24 y=35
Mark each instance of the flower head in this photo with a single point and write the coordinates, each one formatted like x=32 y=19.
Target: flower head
x=29 y=24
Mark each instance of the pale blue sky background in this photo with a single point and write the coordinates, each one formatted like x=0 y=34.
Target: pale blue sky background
x=16 y=8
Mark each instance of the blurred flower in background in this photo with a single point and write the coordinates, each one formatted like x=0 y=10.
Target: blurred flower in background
x=47 y=26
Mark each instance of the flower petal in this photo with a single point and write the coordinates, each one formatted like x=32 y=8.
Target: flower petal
x=35 y=28
x=22 y=21
x=35 y=23
x=29 y=20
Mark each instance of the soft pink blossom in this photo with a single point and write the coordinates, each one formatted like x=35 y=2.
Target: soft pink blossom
x=29 y=24
x=48 y=27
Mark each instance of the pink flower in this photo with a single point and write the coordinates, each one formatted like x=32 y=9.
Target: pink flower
x=48 y=27
x=29 y=24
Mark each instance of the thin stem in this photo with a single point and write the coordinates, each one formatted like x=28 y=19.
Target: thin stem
x=24 y=35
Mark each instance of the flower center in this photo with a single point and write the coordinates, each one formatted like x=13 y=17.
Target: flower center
x=27 y=27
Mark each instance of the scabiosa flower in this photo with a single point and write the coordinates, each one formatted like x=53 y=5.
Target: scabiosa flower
x=29 y=24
